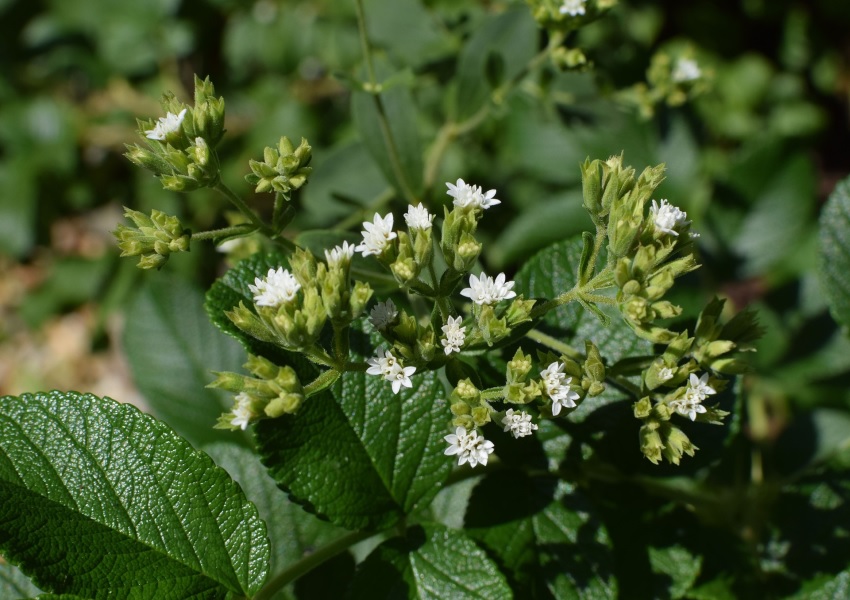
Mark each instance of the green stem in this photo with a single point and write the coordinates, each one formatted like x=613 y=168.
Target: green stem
x=214 y=234
x=451 y=130
x=493 y=393
x=383 y=122
x=555 y=344
x=310 y=562
x=252 y=217
x=341 y=345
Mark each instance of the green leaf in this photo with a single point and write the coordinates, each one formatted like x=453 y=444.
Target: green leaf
x=407 y=31
x=679 y=566
x=358 y=454
x=552 y=272
x=397 y=150
x=172 y=350
x=226 y=293
x=431 y=562
x=14 y=584
x=779 y=220
x=835 y=252
x=825 y=588
x=543 y=535
x=293 y=532
x=512 y=36
x=97 y=499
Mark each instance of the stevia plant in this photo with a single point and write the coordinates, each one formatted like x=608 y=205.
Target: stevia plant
x=465 y=432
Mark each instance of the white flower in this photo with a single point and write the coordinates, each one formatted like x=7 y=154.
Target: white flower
x=698 y=388
x=688 y=408
x=691 y=404
x=377 y=235
x=686 y=69
x=468 y=446
x=556 y=385
x=339 y=255
x=400 y=377
x=242 y=411
x=518 y=423
x=483 y=290
x=572 y=7
x=466 y=195
x=418 y=217
x=391 y=369
x=383 y=365
x=279 y=287
x=383 y=314
x=665 y=374
x=166 y=125
x=668 y=218
x=455 y=335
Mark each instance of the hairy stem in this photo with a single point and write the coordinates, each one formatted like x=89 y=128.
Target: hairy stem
x=383 y=122
x=215 y=234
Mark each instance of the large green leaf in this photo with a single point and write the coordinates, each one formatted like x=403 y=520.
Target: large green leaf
x=552 y=272
x=431 y=562
x=360 y=455
x=835 y=252
x=293 y=532
x=545 y=535
x=101 y=500
x=173 y=350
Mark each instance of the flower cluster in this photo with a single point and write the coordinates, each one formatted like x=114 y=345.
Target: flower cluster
x=691 y=403
x=376 y=235
x=572 y=8
x=668 y=218
x=454 y=335
x=518 y=423
x=165 y=126
x=556 y=385
x=486 y=290
x=278 y=287
x=471 y=196
x=469 y=446
x=391 y=369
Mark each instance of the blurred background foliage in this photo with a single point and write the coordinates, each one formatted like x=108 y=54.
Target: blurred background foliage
x=751 y=159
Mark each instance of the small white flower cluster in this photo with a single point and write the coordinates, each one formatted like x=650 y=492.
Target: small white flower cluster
x=518 y=423
x=698 y=390
x=339 y=255
x=376 y=235
x=686 y=69
x=454 y=335
x=466 y=195
x=668 y=218
x=556 y=384
x=242 y=411
x=469 y=447
x=418 y=217
x=383 y=314
x=278 y=287
x=665 y=374
x=573 y=8
x=484 y=290
x=166 y=125
x=391 y=369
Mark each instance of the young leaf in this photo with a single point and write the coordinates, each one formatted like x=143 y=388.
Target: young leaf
x=432 y=562
x=360 y=455
x=99 y=499
x=835 y=252
x=552 y=272
x=172 y=350
x=512 y=37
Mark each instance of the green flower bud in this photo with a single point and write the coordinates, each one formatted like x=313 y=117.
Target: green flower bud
x=677 y=444
x=250 y=323
x=466 y=390
x=492 y=329
x=466 y=253
x=464 y=421
x=650 y=443
x=568 y=59
x=283 y=169
x=593 y=365
x=519 y=311
x=643 y=408
x=461 y=409
x=286 y=403
x=360 y=296
x=518 y=367
x=481 y=415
